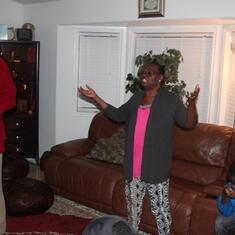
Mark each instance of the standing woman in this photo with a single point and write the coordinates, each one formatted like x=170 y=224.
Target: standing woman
x=149 y=116
x=7 y=101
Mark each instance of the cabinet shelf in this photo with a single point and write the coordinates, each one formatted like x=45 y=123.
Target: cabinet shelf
x=22 y=121
x=14 y=61
x=20 y=62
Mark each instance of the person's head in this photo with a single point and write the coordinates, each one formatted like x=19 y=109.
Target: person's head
x=231 y=174
x=151 y=75
x=122 y=228
x=110 y=225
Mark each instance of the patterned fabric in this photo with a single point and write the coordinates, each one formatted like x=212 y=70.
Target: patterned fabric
x=160 y=206
x=110 y=149
x=157 y=153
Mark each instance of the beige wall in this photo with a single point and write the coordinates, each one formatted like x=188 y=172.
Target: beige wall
x=11 y=13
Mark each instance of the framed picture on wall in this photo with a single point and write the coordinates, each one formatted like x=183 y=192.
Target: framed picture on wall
x=151 y=8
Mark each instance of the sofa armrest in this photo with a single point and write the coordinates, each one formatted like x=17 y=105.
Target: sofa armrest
x=214 y=189
x=78 y=147
x=203 y=216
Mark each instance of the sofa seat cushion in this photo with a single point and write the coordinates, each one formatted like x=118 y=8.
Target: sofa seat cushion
x=210 y=190
x=92 y=181
x=110 y=149
x=186 y=185
x=196 y=173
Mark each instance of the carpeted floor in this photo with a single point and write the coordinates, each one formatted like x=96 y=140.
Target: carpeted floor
x=63 y=206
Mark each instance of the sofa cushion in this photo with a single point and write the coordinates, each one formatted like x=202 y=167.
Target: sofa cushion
x=195 y=173
x=231 y=154
x=200 y=155
x=102 y=127
x=88 y=181
x=110 y=149
x=207 y=144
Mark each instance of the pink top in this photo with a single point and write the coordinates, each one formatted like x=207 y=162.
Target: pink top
x=140 y=128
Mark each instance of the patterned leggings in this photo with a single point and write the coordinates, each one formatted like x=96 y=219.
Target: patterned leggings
x=160 y=207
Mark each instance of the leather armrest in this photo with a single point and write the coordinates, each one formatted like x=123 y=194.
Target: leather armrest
x=203 y=216
x=214 y=189
x=79 y=147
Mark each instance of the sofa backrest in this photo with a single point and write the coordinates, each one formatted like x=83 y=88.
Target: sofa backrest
x=102 y=127
x=231 y=155
x=202 y=155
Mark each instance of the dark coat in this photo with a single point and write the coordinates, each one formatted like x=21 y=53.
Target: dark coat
x=157 y=152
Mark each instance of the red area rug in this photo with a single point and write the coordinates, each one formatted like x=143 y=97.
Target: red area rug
x=46 y=224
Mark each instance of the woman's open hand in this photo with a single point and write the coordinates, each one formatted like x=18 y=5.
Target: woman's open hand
x=88 y=92
x=193 y=95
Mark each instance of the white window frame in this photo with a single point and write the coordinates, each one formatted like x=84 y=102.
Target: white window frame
x=67 y=81
x=225 y=70
x=213 y=99
x=121 y=31
x=69 y=35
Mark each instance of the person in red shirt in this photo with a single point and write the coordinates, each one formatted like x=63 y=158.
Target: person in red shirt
x=7 y=101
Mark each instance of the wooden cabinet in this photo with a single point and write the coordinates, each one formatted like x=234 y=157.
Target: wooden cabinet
x=22 y=121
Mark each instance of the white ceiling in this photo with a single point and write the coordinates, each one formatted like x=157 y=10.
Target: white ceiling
x=33 y=1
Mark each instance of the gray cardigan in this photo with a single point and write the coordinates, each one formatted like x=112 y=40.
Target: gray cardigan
x=157 y=153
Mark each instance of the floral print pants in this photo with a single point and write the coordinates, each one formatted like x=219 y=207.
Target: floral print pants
x=160 y=207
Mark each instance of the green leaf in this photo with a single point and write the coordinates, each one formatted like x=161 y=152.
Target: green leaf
x=170 y=59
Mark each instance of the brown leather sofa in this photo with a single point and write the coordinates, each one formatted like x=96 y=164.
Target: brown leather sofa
x=201 y=158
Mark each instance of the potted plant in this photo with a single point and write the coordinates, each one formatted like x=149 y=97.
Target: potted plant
x=170 y=59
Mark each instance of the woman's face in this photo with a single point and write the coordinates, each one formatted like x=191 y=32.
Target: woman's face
x=150 y=76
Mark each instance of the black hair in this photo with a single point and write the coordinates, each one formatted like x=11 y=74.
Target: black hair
x=231 y=169
x=161 y=68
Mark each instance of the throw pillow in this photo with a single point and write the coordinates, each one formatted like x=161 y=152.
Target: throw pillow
x=110 y=149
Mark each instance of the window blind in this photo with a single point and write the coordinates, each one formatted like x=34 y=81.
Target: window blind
x=229 y=117
x=196 y=49
x=99 y=66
